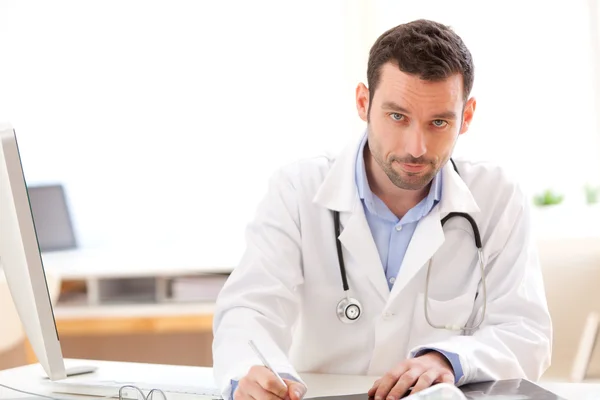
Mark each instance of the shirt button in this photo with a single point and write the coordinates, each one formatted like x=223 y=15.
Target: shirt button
x=392 y=280
x=398 y=228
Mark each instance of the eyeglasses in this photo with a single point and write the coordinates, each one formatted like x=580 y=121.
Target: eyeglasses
x=129 y=392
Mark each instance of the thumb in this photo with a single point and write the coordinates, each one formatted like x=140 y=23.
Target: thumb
x=296 y=390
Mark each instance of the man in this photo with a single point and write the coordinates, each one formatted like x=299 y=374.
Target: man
x=418 y=283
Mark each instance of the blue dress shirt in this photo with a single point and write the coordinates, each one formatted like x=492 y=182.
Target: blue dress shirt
x=392 y=235
x=387 y=230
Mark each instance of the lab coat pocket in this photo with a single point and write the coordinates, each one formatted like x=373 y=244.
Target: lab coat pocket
x=443 y=314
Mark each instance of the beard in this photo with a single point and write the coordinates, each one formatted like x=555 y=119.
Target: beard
x=405 y=179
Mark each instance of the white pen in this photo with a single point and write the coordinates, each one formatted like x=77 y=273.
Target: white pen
x=265 y=362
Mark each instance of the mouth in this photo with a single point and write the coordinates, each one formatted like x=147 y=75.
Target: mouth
x=413 y=167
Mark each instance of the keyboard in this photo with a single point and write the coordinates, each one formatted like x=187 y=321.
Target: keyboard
x=111 y=388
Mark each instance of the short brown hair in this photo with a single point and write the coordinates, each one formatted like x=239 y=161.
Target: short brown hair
x=424 y=48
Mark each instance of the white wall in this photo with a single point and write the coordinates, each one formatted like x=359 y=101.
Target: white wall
x=536 y=111
x=164 y=120
x=594 y=21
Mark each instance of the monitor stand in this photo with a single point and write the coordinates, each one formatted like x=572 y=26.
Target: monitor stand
x=80 y=370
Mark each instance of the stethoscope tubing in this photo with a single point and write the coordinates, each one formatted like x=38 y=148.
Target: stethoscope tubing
x=348 y=303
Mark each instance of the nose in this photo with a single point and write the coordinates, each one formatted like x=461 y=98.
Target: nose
x=415 y=143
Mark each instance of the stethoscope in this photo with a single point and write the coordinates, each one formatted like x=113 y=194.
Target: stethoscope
x=350 y=310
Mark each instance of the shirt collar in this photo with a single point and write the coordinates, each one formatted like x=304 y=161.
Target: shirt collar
x=370 y=200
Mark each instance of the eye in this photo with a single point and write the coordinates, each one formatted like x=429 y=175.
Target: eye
x=397 y=116
x=439 y=123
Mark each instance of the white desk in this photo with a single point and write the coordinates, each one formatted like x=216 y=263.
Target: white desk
x=130 y=262
x=29 y=378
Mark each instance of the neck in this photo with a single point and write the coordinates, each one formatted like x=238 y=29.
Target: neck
x=398 y=200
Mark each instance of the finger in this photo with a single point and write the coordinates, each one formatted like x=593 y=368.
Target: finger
x=373 y=389
x=447 y=378
x=267 y=380
x=239 y=394
x=296 y=390
x=243 y=388
x=426 y=380
x=405 y=382
x=388 y=381
x=257 y=392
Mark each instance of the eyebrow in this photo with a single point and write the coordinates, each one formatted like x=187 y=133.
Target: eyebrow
x=390 y=105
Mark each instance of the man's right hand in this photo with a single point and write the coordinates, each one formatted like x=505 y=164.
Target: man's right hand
x=262 y=384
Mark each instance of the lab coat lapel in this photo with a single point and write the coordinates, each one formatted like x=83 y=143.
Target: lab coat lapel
x=429 y=235
x=338 y=192
x=357 y=240
x=426 y=240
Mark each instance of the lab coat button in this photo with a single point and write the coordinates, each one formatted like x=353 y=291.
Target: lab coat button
x=387 y=315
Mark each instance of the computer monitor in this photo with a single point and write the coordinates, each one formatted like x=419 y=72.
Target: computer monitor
x=21 y=260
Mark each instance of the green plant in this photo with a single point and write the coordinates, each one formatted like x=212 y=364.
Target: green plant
x=592 y=194
x=548 y=198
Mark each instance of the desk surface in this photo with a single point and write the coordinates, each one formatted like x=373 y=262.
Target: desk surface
x=129 y=262
x=68 y=312
x=30 y=378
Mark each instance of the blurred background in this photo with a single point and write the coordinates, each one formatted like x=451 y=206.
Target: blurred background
x=148 y=131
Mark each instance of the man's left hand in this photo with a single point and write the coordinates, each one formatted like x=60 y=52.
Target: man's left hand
x=420 y=373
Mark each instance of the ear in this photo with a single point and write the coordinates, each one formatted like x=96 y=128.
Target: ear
x=362 y=101
x=468 y=114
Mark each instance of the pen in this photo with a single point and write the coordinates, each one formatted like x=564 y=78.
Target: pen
x=265 y=362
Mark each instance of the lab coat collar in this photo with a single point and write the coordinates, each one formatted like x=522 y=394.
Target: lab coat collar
x=456 y=196
x=338 y=192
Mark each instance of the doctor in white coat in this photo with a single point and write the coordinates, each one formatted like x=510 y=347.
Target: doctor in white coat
x=417 y=311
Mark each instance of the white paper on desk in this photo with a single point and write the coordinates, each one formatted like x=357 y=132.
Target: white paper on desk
x=441 y=391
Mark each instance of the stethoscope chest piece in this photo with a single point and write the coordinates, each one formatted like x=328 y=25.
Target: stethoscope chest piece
x=349 y=310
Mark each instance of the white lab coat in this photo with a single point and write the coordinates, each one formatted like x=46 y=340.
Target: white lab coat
x=284 y=292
